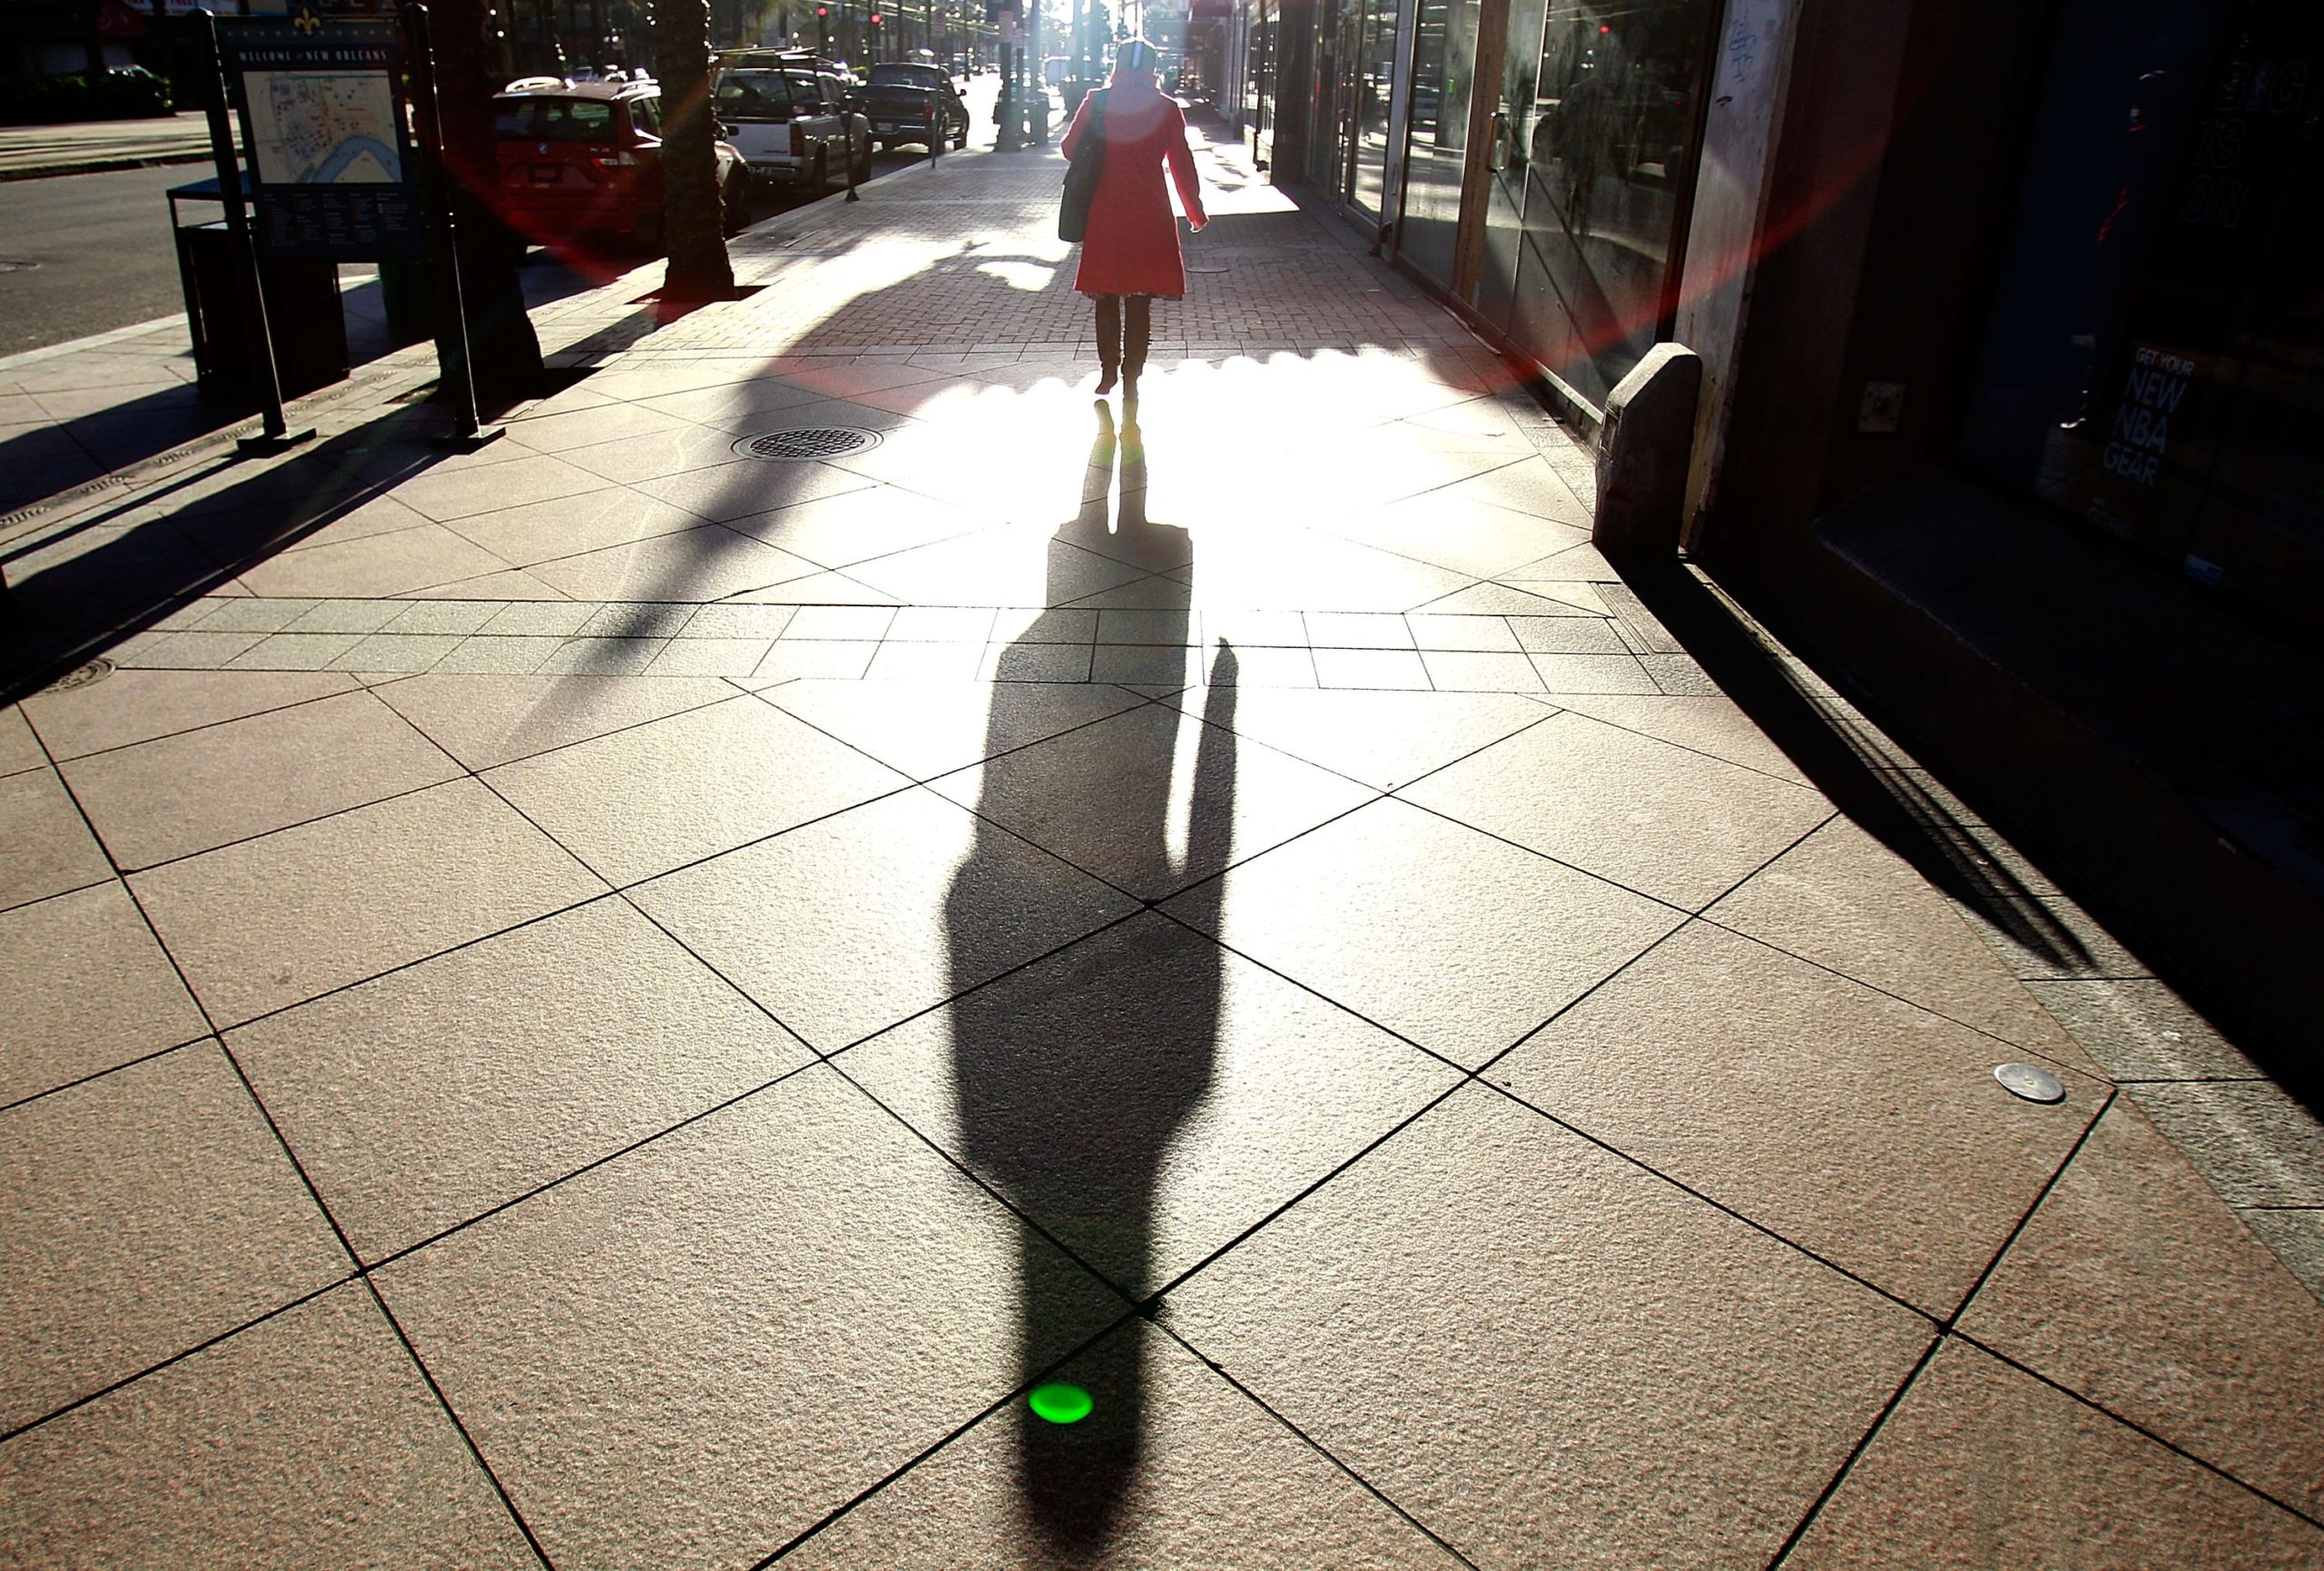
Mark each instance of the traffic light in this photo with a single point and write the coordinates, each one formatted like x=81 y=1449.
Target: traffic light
x=875 y=19
x=822 y=12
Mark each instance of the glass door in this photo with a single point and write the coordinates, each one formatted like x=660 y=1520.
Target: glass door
x=1445 y=50
x=1507 y=161
x=1610 y=106
x=1375 y=72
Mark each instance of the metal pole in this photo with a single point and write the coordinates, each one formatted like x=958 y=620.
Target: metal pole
x=274 y=431
x=456 y=365
x=847 y=131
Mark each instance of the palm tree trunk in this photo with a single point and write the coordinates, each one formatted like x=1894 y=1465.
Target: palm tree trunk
x=691 y=208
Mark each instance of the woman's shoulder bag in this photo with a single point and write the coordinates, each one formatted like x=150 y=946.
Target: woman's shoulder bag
x=1081 y=172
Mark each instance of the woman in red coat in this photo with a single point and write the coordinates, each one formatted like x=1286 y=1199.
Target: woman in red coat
x=1131 y=247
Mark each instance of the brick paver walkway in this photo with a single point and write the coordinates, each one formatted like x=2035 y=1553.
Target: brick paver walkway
x=609 y=1002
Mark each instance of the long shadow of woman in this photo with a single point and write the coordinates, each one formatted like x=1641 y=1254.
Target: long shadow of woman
x=1073 y=1077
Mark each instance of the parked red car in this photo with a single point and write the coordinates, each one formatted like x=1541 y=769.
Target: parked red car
x=585 y=158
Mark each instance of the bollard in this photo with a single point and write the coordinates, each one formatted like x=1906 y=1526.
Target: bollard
x=1643 y=450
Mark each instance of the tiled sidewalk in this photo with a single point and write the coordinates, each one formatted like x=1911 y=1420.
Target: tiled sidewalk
x=604 y=1002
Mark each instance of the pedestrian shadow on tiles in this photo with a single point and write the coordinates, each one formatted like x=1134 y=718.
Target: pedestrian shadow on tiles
x=1073 y=1077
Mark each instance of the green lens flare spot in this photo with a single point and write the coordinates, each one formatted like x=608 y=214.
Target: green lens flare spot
x=1061 y=1403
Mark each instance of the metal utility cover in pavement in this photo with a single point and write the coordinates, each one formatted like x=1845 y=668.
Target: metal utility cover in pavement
x=2032 y=1083
x=97 y=670
x=804 y=444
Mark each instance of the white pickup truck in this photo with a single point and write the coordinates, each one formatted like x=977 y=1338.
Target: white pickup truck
x=787 y=115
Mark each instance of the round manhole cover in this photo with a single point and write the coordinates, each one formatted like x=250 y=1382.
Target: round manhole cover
x=2032 y=1083
x=97 y=670
x=803 y=443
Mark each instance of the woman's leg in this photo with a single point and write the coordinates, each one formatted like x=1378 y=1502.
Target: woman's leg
x=1137 y=334
x=1109 y=341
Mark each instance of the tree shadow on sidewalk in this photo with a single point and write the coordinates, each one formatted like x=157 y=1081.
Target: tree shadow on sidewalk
x=1072 y=1079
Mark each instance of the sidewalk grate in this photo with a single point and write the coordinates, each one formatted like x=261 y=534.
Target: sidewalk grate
x=803 y=444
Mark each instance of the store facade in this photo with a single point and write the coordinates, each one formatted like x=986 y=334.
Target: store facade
x=2011 y=326
x=1530 y=160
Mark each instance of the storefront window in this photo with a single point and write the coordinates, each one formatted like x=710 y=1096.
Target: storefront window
x=1599 y=106
x=1446 y=54
x=2153 y=361
x=1375 y=72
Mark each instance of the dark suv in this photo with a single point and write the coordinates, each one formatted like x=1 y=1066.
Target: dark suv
x=909 y=103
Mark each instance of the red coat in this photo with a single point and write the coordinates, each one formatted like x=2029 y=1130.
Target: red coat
x=1132 y=245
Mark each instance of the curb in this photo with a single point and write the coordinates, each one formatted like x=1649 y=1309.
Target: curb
x=102 y=165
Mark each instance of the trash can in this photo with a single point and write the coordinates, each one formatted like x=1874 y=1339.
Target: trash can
x=408 y=294
x=303 y=309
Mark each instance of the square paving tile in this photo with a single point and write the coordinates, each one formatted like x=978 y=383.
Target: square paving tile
x=2136 y=1287
x=848 y=925
x=1857 y=1127
x=1383 y=739
x=709 y=561
x=299 y=912
x=145 y=1211
x=2297 y=1239
x=997 y=567
x=1145 y=1096
x=396 y=654
x=449 y=492
x=1464 y=671
x=1152 y=799
x=308 y=1439
x=570 y=526
x=1036 y=663
x=1677 y=825
x=377 y=565
x=743 y=488
x=644 y=800
x=1843 y=899
x=1703 y=724
x=1473 y=538
x=1981 y=1466
x=1597 y=673
x=1456 y=940
x=1280 y=569
x=1640 y=1381
x=603 y=657
x=1567 y=635
x=692 y=1354
x=1482 y=634
x=46 y=847
x=858 y=525
x=83 y=986
x=483 y=721
x=808 y=659
x=1175 y=1468
x=177 y=795
x=20 y=750
x=1388 y=669
x=426 y=1097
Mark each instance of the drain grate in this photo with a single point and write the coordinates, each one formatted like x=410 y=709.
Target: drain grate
x=97 y=670
x=803 y=443
x=17 y=267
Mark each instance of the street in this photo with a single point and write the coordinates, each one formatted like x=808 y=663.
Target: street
x=86 y=253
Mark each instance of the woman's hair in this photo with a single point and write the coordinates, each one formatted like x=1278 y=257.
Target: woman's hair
x=1136 y=54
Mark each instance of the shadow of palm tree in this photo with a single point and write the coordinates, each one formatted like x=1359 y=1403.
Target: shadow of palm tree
x=1072 y=1080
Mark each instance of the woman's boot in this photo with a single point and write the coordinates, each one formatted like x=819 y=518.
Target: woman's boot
x=1109 y=342
x=1136 y=334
